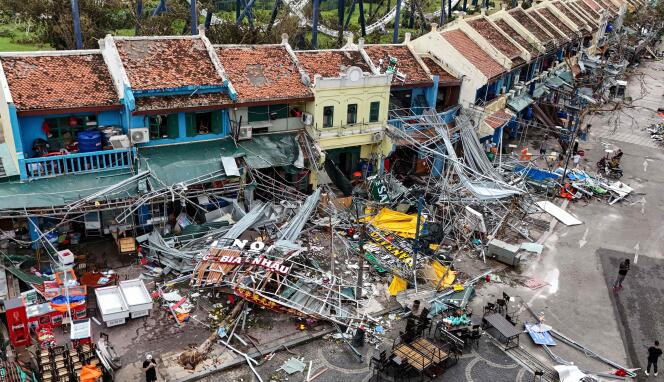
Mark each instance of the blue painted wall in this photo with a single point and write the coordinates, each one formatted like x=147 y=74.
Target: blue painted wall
x=31 y=127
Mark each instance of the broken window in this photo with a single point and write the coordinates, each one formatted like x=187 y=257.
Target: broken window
x=267 y=112
x=374 y=111
x=351 y=116
x=328 y=116
x=163 y=126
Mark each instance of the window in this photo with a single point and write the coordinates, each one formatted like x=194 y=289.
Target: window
x=374 y=111
x=62 y=132
x=351 y=116
x=267 y=112
x=203 y=123
x=163 y=126
x=328 y=116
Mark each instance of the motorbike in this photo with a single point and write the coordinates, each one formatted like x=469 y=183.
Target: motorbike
x=606 y=168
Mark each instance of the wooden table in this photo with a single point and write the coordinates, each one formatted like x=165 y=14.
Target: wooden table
x=429 y=350
x=413 y=357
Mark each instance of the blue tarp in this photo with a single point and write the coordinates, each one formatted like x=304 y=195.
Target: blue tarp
x=63 y=299
x=539 y=338
x=536 y=173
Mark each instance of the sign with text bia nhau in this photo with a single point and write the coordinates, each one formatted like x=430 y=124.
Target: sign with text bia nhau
x=255 y=255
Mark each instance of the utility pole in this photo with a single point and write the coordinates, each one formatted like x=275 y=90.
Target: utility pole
x=397 y=18
x=139 y=17
x=78 y=38
x=314 y=25
x=360 y=263
x=420 y=202
x=194 y=17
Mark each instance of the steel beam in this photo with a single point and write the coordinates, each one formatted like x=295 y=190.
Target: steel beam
x=314 y=24
x=78 y=37
x=397 y=20
x=194 y=17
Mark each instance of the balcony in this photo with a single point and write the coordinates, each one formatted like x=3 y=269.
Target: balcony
x=78 y=163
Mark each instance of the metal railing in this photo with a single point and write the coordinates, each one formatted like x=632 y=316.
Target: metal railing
x=400 y=116
x=78 y=163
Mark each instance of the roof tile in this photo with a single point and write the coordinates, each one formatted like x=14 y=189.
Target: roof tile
x=407 y=63
x=443 y=75
x=498 y=119
x=524 y=19
x=59 y=81
x=547 y=15
x=262 y=72
x=473 y=53
x=546 y=24
x=505 y=27
x=591 y=20
x=576 y=19
x=330 y=63
x=167 y=63
x=495 y=38
x=179 y=102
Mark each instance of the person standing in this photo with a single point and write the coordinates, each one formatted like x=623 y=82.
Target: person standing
x=654 y=352
x=622 y=272
x=576 y=158
x=150 y=368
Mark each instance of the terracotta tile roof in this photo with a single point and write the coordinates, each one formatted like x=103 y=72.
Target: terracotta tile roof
x=557 y=22
x=444 y=77
x=547 y=25
x=262 y=73
x=505 y=27
x=583 y=15
x=531 y=26
x=59 y=81
x=179 y=102
x=407 y=63
x=495 y=38
x=592 y=4
x=167 y=63
x=330 y=63
x=608 y=5
x=473 y=53
x=576 y=19
x=589 y=10
x=498 y=119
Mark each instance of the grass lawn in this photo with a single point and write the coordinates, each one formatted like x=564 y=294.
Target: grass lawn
x=9 y=44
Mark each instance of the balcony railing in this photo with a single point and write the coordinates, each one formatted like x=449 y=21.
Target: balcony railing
x=79 y=163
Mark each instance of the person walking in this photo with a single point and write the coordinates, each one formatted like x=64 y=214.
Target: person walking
x=654 y=352
x=150 y=368
x=622 y=272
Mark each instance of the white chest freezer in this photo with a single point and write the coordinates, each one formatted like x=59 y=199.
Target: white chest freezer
x=137 y=297
x=112 y=305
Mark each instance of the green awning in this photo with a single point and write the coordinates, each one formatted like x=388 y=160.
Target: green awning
x=554 y=82
x=183 y=162
x=539 y=90
x=62 y=190
x=566 y=76
x=520 y=102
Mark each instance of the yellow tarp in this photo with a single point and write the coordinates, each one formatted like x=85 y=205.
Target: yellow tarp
x=440 y=270
x=397 y=285
x=401 y=224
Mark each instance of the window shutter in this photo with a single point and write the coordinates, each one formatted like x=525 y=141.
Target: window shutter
x=190 y=119
x=217 y=125
x=172 y=126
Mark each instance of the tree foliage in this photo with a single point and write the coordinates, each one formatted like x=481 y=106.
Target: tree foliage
x=55 y=22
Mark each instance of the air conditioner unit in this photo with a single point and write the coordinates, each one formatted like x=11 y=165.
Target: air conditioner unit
x=140 y=135
x=307 y=119
x=119 y=141
x=245 y=133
